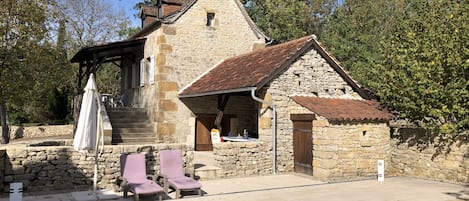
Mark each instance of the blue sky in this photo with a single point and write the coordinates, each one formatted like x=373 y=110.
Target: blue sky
x=127 y=5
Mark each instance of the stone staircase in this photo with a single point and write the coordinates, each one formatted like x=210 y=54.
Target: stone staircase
x=130 y=126
x=204 y=166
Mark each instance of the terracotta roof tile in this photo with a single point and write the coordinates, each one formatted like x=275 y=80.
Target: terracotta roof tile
x=344 y=109
x=247 y=70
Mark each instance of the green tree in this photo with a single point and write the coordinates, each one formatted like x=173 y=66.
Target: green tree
x=353 y=34
x=89 y=23
x=425 y=66
x=285 y=20
x=26 y=57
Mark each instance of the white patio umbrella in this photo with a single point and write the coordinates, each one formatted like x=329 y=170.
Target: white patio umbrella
x=86 y=136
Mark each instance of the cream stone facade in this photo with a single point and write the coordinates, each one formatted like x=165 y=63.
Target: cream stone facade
x=179 y=52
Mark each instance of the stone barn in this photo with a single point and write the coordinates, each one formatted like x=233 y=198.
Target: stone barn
x=301 y=109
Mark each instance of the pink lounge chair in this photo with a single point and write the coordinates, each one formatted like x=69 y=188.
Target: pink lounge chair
x=135 y=179
x=172 y=171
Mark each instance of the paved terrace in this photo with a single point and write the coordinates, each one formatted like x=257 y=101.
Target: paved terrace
x=299 y=187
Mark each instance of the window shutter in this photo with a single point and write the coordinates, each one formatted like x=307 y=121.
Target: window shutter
x=151 y=71
x=142 y=72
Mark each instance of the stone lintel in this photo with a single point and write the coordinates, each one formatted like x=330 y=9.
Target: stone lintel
x=320 y=123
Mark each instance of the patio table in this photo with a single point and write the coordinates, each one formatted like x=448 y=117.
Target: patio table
x=238 y=139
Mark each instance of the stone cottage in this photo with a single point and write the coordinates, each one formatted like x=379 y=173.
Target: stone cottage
x=202 y=64
x=307 y=113
x=179 y=40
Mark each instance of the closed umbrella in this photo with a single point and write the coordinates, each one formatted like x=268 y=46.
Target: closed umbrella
x=86 y=137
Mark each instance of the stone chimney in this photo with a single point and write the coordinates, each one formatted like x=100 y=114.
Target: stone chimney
x=149 y=14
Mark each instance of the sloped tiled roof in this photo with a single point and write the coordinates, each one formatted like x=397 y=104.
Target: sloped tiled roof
x=247 y=70
x=335 y=109
x=257 y=68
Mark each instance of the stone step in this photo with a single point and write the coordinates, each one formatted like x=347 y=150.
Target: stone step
x=124 y=109
x=131 y=125
x=208 y=172
x=133 y=130
x=133 y=140
x=123 y=114
x=139 y=119
x=133 y=135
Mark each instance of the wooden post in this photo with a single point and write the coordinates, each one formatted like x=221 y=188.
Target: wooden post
x=4 y=124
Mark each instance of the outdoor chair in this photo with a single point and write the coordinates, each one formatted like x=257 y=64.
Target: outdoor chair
x=135 y=179
x=173 y=174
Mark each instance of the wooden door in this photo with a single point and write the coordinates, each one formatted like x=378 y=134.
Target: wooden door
x=203 y=140
x=302 y=146
x=205 y=123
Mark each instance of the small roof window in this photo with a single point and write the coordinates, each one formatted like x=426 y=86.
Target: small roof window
x=210 y=19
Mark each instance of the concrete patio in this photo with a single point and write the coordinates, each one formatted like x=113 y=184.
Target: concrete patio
x=300 y=187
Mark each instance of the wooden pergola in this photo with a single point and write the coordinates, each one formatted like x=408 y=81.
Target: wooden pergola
x=92 y=57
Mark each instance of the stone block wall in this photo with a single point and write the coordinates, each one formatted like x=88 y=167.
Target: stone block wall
x=243 y=158
x=415 y=154
x=62 y=168
x=40 y=131
x=349 y=151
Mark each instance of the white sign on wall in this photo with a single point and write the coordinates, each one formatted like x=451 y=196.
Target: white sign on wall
x=16 y=191
x=380 y=170
x=215 y=134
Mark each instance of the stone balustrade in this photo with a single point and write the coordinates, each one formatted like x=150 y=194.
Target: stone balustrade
x=62 y=168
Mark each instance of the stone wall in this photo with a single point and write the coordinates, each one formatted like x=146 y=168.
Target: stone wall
x=40 y=131
x=414 y=154
x=62 y=168
x=349 y=151
x=243 y=158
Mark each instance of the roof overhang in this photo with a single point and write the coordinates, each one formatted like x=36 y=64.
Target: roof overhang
x=229 y=91
x=109 y=50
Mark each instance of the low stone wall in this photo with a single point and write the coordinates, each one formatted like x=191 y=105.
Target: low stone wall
x=62 y=168
x=40 y=131
x=243 y=158
x=416 y=155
